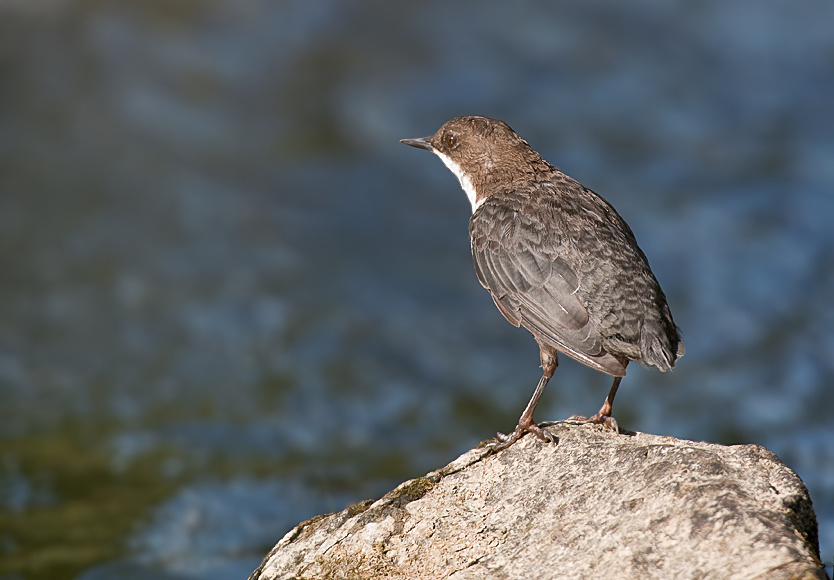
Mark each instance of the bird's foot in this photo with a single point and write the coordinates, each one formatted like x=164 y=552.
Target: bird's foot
x=503 y=441
x=604 y=420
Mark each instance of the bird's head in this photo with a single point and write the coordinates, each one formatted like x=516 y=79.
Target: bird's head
x=480 y=151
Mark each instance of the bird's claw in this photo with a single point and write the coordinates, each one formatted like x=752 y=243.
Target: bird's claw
x=605 y=420
x=503 y=441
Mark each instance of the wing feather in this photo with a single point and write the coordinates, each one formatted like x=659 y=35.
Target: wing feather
x=533 y=286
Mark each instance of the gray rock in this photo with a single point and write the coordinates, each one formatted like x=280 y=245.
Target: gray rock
x=594 y=505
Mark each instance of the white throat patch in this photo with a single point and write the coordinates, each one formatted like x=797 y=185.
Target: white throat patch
x=465 y=182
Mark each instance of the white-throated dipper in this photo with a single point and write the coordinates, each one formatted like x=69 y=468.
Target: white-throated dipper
x=557 y=259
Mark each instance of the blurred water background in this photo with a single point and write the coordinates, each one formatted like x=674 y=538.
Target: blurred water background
x=231 y=300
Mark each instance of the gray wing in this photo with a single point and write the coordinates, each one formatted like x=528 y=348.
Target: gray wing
x=517 y=259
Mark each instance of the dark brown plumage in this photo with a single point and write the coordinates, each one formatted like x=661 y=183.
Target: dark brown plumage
x=557 y=260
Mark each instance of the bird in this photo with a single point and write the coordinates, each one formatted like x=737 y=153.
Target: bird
x=558 y=260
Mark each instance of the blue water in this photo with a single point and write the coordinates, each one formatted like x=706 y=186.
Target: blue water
x=231 y=300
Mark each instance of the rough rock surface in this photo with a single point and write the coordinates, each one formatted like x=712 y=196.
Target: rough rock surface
x=593 y=505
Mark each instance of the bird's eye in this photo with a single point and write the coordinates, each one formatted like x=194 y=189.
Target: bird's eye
x=451 y=140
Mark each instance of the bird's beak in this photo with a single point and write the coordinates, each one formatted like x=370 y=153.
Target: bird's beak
x=420 y=143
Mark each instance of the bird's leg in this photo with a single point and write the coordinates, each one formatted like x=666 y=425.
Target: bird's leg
x=603 y=416
x=526 y=423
